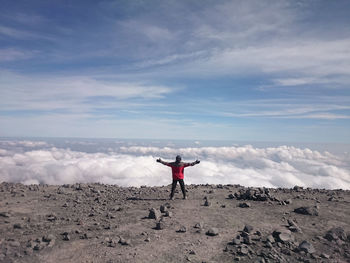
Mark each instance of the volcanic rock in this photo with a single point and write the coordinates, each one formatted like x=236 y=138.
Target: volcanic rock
x=198 y=225
x=244 y=205
x=307 y=210
x=124 y=242
x=335 y=234
x=160 y=225
x=283 y=235
x=306 y=247
x=248 y=228
x=154 y=214
x=212 y=232
x=182 y=229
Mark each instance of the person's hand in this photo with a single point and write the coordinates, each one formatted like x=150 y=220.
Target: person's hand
x=159 y=160
x=197 y=161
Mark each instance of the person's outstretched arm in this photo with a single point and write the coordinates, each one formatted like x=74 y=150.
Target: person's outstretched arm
x=162 y=162
x=193 y=163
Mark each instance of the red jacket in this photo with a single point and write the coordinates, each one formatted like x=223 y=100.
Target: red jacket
x=178 y=169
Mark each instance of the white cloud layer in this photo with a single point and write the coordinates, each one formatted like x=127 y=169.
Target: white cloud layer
x=134 y=166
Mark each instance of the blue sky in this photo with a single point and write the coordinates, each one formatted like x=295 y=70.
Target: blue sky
x=231 y=70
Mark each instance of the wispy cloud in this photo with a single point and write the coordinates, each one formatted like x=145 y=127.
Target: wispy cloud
x=20 y=92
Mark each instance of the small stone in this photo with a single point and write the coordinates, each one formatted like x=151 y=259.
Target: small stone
x=247 y=240
x=231 y=196
x=154 y=214
x=160 y=225
x=306 y=247
x=198 y=225
x=243 y=250
x=168 y=214
x=236 y=241
x=248 y=228
x=48 y=238
x=212 y=232
x=5 y=214
x=37 y=247
x=17 y=226
x=124 y=242
x=182 y=229
x=270 y=239
x=207 y=203
x=324 y=255
x=244 y=205
x=147 y=239
x=163 y=208
x=66 y=236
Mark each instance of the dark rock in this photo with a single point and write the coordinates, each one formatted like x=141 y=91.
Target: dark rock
x=163 y=208
x=231 y=196
x=212 y=232
x=307 y=210
x=124 y=242
x=335 y=234
x=288 y=201
x=17 y=226
x=5 y=214
x=37 y=247
x=154 y=214
x=66 y=236
x=248 y=228
x=51 y=217
x=207 y=202
x=182 y=229
x=298 y=188
x=48 y=238
x=306 y=247
x=199 y=225
x=244 y=205
x=168 y=214
x=160 y=225
x=247 y=240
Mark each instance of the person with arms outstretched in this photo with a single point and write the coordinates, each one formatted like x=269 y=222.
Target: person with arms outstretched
x=177 y=168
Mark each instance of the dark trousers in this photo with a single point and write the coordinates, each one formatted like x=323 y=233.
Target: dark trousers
x=173 y=187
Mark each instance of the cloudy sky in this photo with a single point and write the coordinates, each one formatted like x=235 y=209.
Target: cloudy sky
x=232 y=70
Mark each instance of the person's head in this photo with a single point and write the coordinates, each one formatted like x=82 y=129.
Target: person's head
x=178 y=158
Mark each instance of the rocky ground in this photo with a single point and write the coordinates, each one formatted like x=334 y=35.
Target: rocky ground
x=217 y=223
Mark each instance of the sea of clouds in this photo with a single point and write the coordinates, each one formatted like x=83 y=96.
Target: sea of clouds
x=134 y=164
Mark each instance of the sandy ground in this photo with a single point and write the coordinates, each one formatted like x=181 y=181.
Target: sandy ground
x=217 y=223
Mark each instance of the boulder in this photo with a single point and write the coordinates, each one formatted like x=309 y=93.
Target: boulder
x=306 y=247
x=336 y=233
x=283 y=235
x=307 y=210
